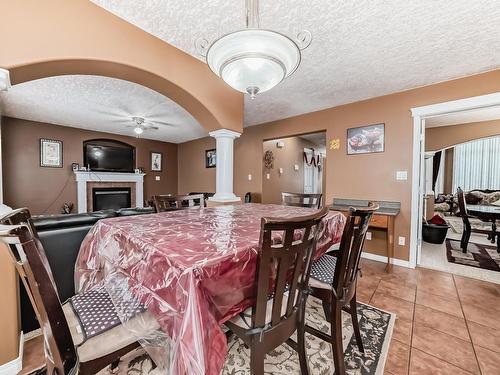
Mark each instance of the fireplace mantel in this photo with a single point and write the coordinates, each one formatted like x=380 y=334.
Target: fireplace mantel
x=83 y=177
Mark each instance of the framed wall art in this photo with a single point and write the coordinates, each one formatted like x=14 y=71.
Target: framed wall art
x=210 y=158
x=156 y=161
x=366 y=139
x=51 y=153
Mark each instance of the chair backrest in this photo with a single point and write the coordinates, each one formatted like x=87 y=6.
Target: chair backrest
x=284 y=264
x=18 y=232
x=462 y=208
x=177 y=202
x=301 y=200
x=349 y=254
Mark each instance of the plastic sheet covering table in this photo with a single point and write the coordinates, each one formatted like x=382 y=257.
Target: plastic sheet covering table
x=191 y=269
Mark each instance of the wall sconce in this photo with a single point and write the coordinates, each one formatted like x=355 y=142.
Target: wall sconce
x=334 y=144
x=4 y=80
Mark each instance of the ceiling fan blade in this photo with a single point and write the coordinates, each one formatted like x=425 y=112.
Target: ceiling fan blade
x=149 y=127
x=164 y=123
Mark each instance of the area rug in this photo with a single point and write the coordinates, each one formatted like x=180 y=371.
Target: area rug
x=477 y=255
x=457 y=226
x=376 y=330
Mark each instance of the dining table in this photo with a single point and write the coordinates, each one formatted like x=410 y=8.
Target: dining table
x=191 y=270
x=488 y=214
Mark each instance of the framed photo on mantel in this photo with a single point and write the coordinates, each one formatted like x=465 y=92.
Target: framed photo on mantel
x=156 y=161
x=51 y=153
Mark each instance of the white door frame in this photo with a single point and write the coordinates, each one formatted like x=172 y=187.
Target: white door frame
x=420 y=114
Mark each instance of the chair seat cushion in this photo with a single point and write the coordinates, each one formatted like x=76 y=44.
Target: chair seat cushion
x=322 y=272
x=110 y=340
x=244 y=319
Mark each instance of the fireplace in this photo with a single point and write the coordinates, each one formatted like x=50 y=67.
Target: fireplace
x=104 y=198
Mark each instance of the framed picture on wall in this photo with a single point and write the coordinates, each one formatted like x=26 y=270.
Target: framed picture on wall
x=210 y=158
x=51 y=153
x=156 y=161
x=366 y=139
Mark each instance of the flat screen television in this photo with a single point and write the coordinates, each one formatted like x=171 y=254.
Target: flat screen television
x=108 y=156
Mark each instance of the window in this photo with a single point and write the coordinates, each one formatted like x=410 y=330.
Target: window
x=476 y=165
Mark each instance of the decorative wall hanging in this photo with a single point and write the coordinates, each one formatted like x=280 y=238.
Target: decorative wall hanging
x=211 y=158
x=315 y=159
x=268 y=160
x=334 y=144
x=51 y=153
x=156 y=161
x=366 y=139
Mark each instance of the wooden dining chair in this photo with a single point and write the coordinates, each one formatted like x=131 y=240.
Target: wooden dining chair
x=178 y=202
x=281 y=288
x=468 y=229
x=69 y=347
x=301 y=200
x=333 y=281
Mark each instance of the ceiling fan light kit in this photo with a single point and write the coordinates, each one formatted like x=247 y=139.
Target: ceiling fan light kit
x=254 y=60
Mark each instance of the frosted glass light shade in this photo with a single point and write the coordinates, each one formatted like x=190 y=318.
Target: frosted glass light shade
x=253 y=60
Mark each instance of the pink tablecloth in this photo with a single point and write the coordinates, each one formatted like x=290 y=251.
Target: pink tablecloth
x=192 y=269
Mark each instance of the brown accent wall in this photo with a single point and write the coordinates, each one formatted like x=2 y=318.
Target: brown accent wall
x=44 y=190
x=368 y=176
x=448 y=170
x=286 y=157
x=193 y=176
x=442 y=137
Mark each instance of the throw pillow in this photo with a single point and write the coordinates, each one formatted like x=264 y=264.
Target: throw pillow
x=472 y=198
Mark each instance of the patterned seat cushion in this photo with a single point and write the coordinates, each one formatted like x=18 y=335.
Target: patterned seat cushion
x=322 y=271
x=97 y=314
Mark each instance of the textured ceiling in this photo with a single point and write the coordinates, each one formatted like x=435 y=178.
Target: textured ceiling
x=484 y=114
x=360 y=49
x=100 y=103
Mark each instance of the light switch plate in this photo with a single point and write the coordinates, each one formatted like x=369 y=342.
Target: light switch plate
x=402 y=241
x=281 y=170
x=296 y=167
x=368 y=235
x=249 y=177
x=402 y=175
x=157 y=178
x=268 y=176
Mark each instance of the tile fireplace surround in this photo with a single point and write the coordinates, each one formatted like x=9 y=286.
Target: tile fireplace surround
x=86 y=180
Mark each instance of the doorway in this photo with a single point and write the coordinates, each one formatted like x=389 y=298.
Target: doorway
x=426 y=120
x=295 y=164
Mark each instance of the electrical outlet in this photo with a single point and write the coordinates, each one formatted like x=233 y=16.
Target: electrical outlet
x=268 y=176
x=249 y=177
x=157 y=178
x=296 y=167
x=281 y=170
x=368 y=235
x=402 y=241
x=402 y=175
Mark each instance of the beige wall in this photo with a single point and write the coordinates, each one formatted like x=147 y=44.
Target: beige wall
x=442 y=137
x=193 y=176
x=44 y=190
x=286 y=158
x=368 y=176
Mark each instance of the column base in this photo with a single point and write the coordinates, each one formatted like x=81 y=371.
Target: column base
x=214 y=201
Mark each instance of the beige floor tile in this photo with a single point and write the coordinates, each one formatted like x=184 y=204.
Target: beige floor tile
x=449 y=305
x=402 y=331
x=442 y=322
x=403 y=309
x=489 y=361
x=484 y=336
x=398 y=358
x=422 y=363
x=487 y=317
x=392 y=289
x=445 y=347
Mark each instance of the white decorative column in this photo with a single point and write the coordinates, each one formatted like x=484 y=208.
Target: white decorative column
x=224 y=169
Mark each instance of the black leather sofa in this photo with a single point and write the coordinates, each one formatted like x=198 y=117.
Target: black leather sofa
x=61 y=237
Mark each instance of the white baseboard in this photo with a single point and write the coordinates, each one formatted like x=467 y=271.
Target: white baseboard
x=383 y=259
x=16 y=365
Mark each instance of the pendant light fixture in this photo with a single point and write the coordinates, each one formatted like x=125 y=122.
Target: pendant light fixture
x=254 y=60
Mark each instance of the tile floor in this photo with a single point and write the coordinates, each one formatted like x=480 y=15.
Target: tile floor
x=446 y=324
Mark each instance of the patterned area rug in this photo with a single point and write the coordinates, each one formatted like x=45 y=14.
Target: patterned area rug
x=376 y=330
x=478 y=255
x=457 y=225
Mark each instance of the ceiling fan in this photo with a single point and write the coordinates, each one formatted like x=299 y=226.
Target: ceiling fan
x=140 y=123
